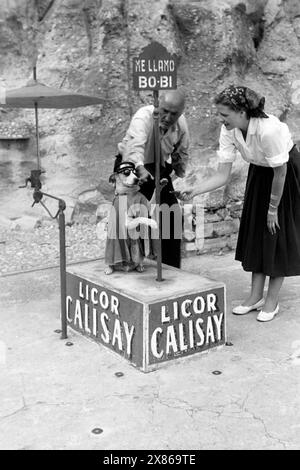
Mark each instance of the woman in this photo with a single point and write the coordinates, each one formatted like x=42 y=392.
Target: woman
x=269 y=235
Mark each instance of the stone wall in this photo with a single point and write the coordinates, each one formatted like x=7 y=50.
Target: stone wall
x=210 y=230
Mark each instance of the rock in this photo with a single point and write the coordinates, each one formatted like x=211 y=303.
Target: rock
x=188 y=224
x=222 y=213
x=26 y=223
x=189 y=235
x=235 y=206
x=103 y=211
x=209 y=230
x=190 y=247
x=226 y=227
x=231 y=242
x=89 y=207
x=6 y=223
x=273 y=11
x=214 y=244
x=211 y=217
x=101 y=230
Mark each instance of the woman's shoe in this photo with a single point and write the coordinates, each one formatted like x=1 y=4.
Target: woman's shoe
x=267 y=316
x=242 y=309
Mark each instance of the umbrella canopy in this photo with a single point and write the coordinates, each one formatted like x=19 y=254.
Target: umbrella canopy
x=37 y=94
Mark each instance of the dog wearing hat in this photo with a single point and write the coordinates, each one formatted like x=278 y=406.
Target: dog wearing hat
x=128 y=240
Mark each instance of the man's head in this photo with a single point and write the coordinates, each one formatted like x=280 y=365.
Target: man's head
x=171 y=106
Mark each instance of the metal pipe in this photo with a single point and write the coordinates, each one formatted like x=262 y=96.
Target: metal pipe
x=36 y=125
x=63 y=283
x=37 y=135
x=157 y=181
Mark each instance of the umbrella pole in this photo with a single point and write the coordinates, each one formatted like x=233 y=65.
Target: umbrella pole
x=36 y=125
x=37 y=135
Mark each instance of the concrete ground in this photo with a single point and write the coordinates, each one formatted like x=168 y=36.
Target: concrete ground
x=52 y=396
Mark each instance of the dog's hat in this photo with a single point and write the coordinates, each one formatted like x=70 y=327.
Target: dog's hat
x=119 y=167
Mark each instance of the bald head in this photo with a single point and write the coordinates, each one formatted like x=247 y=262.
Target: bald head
x=171 y=106
x=174 y=98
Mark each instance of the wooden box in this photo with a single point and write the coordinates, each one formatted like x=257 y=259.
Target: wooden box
x=145 y=321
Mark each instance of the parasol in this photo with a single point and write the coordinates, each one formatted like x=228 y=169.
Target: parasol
x=37 y=95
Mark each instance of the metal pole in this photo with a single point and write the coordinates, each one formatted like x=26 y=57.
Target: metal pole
x=63 y=286
x=37 y=195
x=157 y=181
x=36 y=125
x=37 y=135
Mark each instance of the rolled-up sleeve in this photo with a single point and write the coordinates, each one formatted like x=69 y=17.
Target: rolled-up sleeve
x=132 y=146
x=276 y=147
x=227 y=149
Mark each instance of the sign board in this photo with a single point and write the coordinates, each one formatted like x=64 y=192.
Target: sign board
x=143 y=325
x=155 y=69
x=186 y=325
x=106 y=317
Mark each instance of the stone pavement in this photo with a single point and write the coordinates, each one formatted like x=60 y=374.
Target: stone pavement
x=22 y=250
x=52 y=396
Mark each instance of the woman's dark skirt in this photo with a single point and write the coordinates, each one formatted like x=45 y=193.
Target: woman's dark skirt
x=260 y=252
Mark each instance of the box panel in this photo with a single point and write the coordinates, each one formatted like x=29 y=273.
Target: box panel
x=186 y=325
x=108 y=317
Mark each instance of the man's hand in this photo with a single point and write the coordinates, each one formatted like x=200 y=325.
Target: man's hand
x=142 y=173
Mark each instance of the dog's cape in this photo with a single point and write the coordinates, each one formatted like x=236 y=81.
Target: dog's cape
x=123 y=245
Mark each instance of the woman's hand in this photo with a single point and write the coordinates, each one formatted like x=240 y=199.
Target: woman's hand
x=272 y=221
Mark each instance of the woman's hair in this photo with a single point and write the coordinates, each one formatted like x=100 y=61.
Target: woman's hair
x=240 y=98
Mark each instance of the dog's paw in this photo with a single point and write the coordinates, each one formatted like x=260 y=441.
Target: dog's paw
x=133 y=223
x=152 y=223
x=108 y=270
x=140 y=268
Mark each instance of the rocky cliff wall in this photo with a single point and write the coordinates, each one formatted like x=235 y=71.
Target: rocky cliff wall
x=88 y=46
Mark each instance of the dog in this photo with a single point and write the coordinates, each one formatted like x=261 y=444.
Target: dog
x=128 y=240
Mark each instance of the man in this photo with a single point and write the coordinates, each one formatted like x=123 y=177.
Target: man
x=138 y=147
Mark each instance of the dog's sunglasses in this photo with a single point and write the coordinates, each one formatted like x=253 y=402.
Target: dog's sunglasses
x=127 y=171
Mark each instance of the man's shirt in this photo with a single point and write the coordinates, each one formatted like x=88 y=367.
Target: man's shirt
x=140 y=130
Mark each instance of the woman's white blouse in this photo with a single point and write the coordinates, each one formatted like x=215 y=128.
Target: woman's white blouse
x=268 y=142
